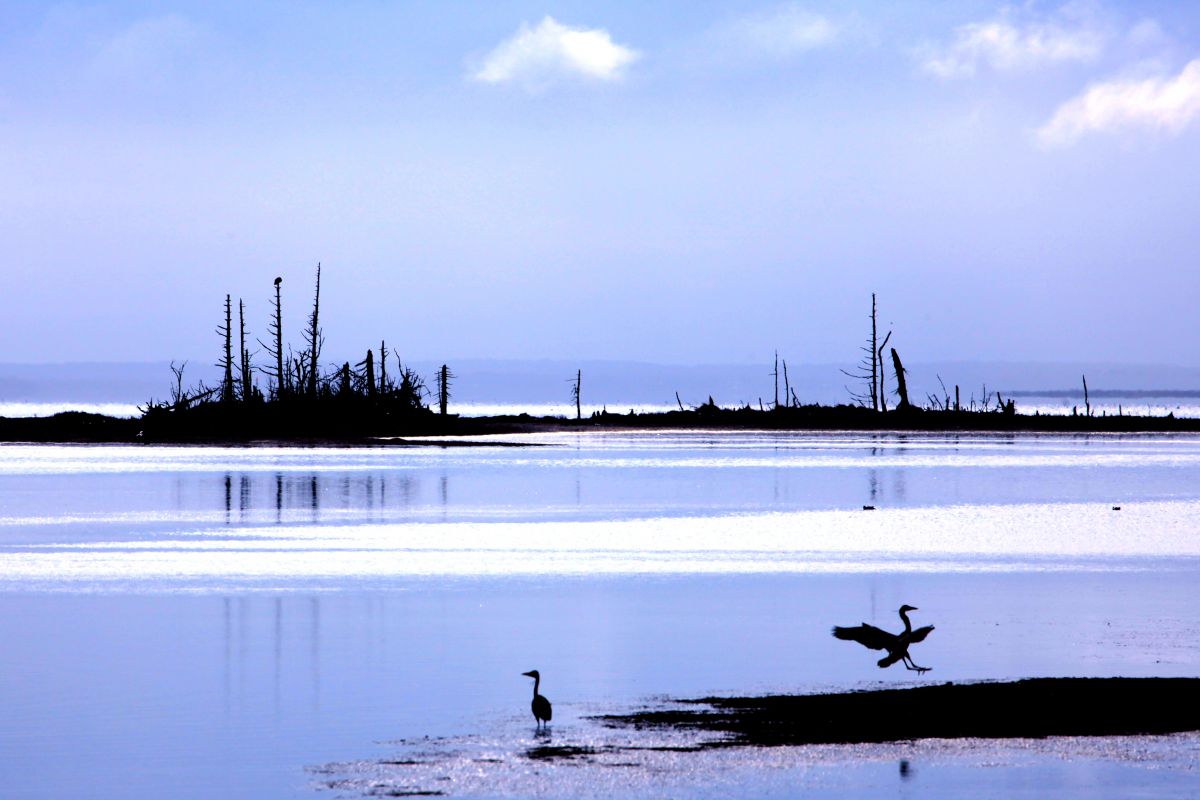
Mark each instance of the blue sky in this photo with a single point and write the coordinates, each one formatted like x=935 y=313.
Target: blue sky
x=674 y=181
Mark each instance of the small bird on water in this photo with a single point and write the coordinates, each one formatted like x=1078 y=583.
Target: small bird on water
x=540 y=705
x=896 y=644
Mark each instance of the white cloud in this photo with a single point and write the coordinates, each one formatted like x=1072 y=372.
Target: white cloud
x=782 y=32
x=1165 y=103
x=536 y=57
x=1005 y=44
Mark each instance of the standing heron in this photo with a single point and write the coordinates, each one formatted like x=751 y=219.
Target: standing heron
x=540 y=705
x=896 y=644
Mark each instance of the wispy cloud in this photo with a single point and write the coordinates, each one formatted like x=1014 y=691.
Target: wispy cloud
x=1008 y=43
x=781 y=32
x=551 y=52
x=1166 y=104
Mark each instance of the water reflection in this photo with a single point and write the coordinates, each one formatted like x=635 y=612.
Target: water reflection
x=251 y=658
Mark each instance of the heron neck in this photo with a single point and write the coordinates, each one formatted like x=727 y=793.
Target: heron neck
x=907 y=624
x=536 y=683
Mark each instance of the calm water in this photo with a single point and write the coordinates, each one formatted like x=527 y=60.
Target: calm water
x=259 y=622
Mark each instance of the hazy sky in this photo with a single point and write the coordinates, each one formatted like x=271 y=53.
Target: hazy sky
x=662 y=181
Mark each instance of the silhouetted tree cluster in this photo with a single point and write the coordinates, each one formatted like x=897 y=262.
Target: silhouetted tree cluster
x=300 y=394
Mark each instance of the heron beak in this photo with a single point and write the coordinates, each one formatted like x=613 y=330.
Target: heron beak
x=527 y=674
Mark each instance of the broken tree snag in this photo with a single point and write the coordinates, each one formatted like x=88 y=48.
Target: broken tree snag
x=878 y=359
x=369 y=367
x=443 y=389
x=787 y=387
x=1086 y=405
x=901 y=384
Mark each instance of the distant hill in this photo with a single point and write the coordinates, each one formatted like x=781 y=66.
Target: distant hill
x=619 y=382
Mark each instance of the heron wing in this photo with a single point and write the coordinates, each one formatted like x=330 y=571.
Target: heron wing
x=920 y=633
x=867 y=636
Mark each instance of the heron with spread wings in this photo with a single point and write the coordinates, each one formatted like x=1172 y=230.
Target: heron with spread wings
x=896 y=644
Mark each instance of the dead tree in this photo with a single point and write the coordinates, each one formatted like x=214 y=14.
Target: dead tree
x=575 y=393
x=901 y=384
x=368 y=374
x=787 y=387
x=775 y=374
x=275 y=350
x=870 y=368
x=178 y=395
x=247 y=374
x=879 y=360
x=383 y=381
x=226 y=363
x=874 y=349
x=1087 y=406
x=444 y=377
x=315 y=338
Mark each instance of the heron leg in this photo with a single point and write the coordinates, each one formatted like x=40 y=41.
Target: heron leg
x=912 y=665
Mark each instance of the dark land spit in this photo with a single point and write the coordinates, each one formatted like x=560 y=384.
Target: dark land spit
x=1033 y=708
x=324 y=425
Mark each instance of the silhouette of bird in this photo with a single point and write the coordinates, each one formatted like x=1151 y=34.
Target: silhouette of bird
x=540 y=705
x=896 y=644
x=278 y=281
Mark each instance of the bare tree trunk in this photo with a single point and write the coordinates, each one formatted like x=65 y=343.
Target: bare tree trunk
x=370 y=364
x=775 y=373
x=882 y=374
x=1086 y=405
x=383 y=354
x=227 y=394
x=874 y=349
x=443 y=389
x=281 y=377
x=901 y=384
x=787 y=388
x=576 y=392
x=247 y=379
x=314 y=337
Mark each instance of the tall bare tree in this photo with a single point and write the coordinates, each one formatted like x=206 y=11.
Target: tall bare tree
x=315 y=338
x=226 y=363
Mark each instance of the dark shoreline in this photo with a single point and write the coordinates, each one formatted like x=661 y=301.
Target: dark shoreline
x=1026 y=709
x=427 y=428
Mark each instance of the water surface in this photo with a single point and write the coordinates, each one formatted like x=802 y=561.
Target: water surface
x=261 y=622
